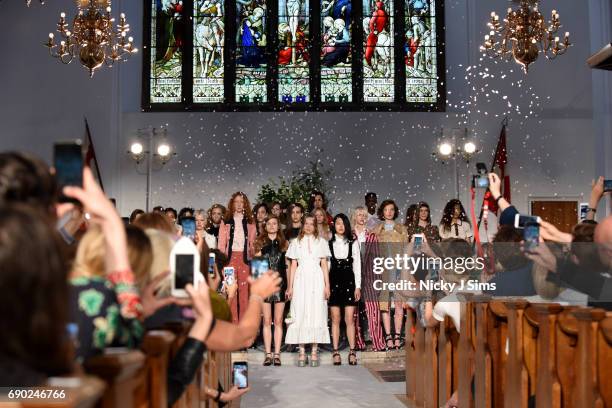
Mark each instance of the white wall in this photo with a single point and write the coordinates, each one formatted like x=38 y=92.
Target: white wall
x=43 y=100
x=552 y=150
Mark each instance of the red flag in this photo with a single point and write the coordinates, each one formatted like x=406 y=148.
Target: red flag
x=500 y=160
x=90 y=156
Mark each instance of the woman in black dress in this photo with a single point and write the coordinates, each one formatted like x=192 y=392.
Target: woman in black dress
x=272 y=245
x=345 y=284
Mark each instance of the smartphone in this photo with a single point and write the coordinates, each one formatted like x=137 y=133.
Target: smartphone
x=520 y=221
x=531 y=236
x=418 y=241
x=68 y=165
x=240 y=373
x=607 y=185
x=482 y=182
x=259 y=266
x=189 y=227
x=228 y=275
x=184 y=266
x=211 y=264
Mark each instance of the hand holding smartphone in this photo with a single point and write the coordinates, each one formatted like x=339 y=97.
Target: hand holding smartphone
x=184 y=266
x=241 y=374
x=259 y=266
x=228 y=275
x=521 y=221
x=68 y=165
x=531 y=236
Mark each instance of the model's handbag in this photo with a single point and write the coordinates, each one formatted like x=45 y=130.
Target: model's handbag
x=289 y=318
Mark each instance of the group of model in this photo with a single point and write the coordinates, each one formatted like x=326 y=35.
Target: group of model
x=320 y=259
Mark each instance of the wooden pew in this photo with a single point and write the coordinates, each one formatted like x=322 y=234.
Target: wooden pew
x=566 y=336
x=587 y=389
x=465 y=366
x=156 y=345
x=548 y=386
x=521 y=356
x=604 y=358
x=448 y=340
x=124 y=373
x=410 y=354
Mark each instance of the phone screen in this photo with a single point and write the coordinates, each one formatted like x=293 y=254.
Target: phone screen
x=189 y=227
x=228 y=274
x=184 y=270
x=607 y=185
x=68 y=164
x=482 y=182
x=531 y=236
x=524 y=220
x=418 y=240
x=241 y=374
x=211 y=264
x=259 y=266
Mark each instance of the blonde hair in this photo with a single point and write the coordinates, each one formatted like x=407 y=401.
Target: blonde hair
x=90 y=254
x=354 y=214
x=325 y=225
x=162 y=244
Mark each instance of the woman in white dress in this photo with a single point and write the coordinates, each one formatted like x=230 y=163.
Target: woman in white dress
x=308 y=290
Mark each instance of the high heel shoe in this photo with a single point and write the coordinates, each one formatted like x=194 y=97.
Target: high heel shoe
x=352 y=357
x=339 y=360
x=389 y=339
x=302 y=359
x=277 y=360
x=314 y=362
x=268 y=360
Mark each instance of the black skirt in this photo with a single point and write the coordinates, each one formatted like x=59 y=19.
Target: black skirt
x=341 y=280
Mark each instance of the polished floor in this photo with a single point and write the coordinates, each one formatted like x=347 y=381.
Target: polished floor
x=325 y=386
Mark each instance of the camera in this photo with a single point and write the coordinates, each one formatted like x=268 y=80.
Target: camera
x=481 y=179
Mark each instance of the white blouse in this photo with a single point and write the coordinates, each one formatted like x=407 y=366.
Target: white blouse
x=341 y=250
x=462 y=230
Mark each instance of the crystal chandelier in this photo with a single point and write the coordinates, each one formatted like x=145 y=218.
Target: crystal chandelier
x=524 y=34
x=92 y=38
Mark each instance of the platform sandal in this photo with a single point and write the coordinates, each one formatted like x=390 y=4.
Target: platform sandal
x=352 y=357
x=277 y=360
x=339 y=360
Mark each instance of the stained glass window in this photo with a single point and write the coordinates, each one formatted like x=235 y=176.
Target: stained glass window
x=378 y=54
x=251 y=58
x=166 y=52
x=336 y=55
x=420 y=51
x=294 y=55
x=208 y=55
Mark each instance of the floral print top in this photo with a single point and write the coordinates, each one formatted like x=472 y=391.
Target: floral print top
x=106 y=311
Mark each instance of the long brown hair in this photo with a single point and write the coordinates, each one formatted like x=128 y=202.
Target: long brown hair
x=248 y=213
x=314 y=221
x=263 y=239
x=33 y=268
x=209 y=222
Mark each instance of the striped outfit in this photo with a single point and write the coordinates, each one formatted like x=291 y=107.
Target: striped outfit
x=369 y=296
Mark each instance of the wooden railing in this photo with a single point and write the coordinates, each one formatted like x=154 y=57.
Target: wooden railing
x=510 y=353
x=138 y=378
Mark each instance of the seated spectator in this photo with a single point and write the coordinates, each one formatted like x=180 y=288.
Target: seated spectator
x=513 y=275
x=26 y=179
x=34 y=299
